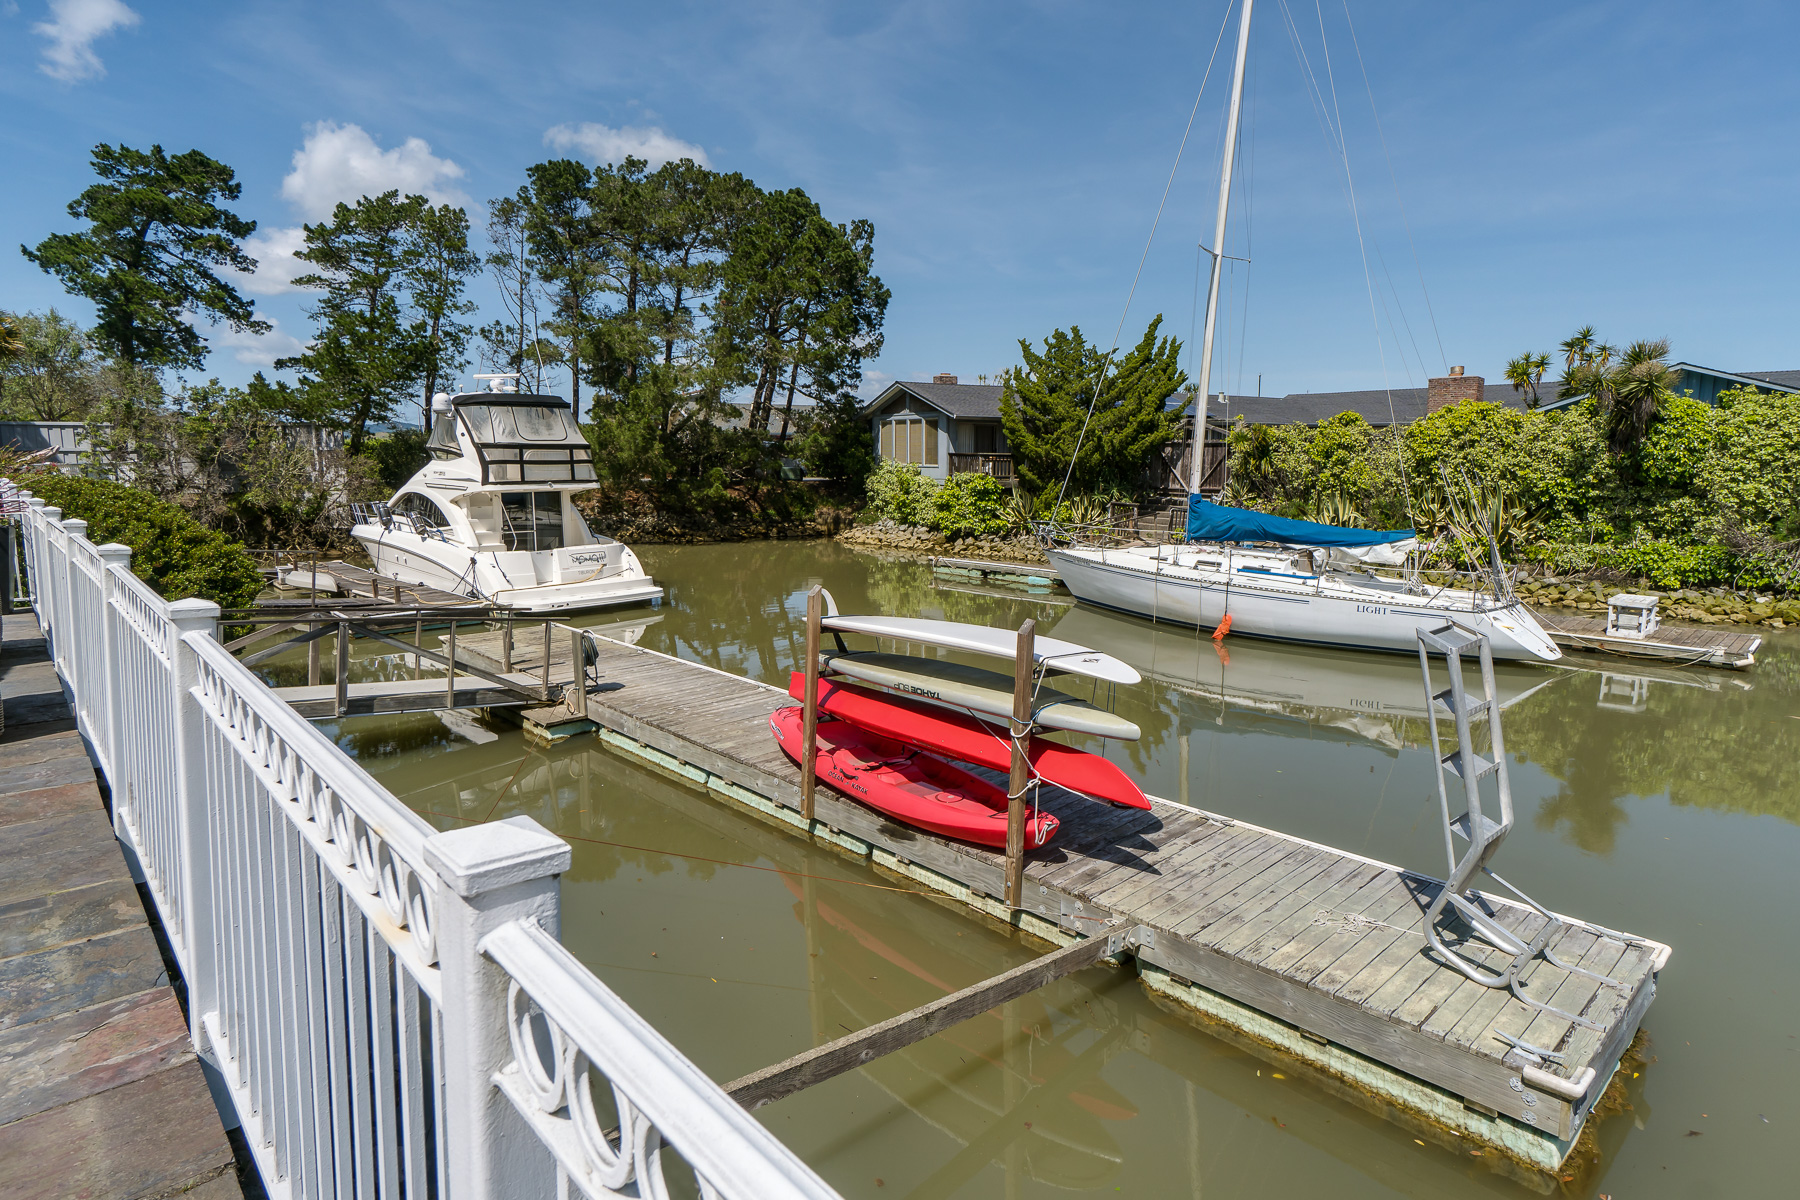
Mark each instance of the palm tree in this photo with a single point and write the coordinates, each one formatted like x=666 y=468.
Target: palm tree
x=1637 y=387
x=1587 y=366
x=1577 y=349
x=12 y=345
x=1526 y=372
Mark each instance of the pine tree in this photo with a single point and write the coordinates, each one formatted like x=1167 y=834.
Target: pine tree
x=367 y=357
x=155 y=232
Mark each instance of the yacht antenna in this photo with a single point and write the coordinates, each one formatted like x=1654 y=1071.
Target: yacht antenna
x=508 y=382
x=1218 y=247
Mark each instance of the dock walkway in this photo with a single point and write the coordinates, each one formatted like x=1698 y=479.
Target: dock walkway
x=1310 y=951
x=100 y=1092
x=1691 y=645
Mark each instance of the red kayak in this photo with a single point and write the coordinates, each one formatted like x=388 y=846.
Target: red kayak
x=967 y=738
x=907 y=784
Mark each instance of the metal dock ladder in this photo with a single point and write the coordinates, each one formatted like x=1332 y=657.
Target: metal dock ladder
x=1483 y=833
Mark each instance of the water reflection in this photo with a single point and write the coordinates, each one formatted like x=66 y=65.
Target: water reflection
x=1377 y=698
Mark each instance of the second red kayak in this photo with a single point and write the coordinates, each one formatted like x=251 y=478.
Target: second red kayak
x=967 y=738
x=908 y=784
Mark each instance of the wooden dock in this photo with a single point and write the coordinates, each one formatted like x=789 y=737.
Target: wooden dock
x=1692 y=645
x=100 y=1092
x=1029 y=574
x=361 y=583
x=1312 y=954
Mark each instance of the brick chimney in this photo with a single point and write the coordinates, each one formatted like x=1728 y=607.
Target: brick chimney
x=943 y=379
x=1453 y=388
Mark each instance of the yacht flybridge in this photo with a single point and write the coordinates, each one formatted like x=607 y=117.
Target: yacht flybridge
x=490 y=515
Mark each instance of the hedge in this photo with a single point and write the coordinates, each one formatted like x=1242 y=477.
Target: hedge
x=173 y=553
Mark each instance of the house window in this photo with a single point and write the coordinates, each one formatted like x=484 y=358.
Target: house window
x=910 y=440
x=986 y=441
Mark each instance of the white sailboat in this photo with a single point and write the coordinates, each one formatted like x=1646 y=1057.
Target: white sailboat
x=490 y=516
x=1272 y=577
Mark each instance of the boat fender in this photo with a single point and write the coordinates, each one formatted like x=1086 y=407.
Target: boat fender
x=1223 y=629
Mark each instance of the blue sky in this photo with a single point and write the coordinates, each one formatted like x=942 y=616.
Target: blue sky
x=1632 y=165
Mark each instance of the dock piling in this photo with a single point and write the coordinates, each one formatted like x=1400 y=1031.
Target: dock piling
x=342 y=680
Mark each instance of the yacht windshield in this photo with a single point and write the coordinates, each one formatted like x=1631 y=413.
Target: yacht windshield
x=527 y=439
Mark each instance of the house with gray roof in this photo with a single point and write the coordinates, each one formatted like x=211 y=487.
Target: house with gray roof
x=944 y=426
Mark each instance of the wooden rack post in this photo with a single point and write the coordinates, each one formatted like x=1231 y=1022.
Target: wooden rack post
x=1024 y=670
x=418 y=644
x=312 y=657
x=809 y=745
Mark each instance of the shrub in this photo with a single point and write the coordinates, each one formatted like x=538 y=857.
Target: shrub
x=900 y=492
x=835 y=444
x=396 y=457
x=173 y=553
x=971 y=505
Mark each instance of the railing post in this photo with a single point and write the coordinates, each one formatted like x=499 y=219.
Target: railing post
x=50 y=588
x=492 y=875
x=195 y=831
x=113 y=556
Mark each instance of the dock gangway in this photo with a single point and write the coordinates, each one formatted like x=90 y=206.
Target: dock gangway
x=387 y=1007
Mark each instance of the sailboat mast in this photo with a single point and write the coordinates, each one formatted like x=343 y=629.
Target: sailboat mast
x=1218 y=246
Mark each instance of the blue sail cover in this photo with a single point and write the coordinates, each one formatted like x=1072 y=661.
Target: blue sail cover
x=1209 y=522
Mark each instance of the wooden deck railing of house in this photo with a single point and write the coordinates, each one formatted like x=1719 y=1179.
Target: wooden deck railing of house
x=1000 y=466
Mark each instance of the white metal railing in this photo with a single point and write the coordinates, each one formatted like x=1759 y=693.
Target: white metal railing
x=386 y=1005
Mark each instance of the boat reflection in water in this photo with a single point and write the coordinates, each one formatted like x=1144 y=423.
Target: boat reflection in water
x=1019 y=1085
x=1369 y=696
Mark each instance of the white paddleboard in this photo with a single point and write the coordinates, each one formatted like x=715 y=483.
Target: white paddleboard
x=971 y=689
x=1051 y=653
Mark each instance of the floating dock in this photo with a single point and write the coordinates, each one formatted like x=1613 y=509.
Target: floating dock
x=1041 y=575
x=1691 y=645
x=340 y=578
x=1309 y=954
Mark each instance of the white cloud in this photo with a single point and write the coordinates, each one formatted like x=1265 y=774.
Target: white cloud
x=72 y=29
x=603 y=143
x=276 y=267
x=256 y=350
x=343 y=163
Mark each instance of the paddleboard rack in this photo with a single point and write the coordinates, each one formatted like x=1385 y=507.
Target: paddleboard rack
x=1484 y=834
x=1031 y=655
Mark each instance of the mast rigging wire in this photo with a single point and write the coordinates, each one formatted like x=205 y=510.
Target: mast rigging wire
x=1405 y=220
x=1144 y=258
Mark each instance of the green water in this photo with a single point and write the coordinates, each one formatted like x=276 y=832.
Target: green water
x=1661 y=801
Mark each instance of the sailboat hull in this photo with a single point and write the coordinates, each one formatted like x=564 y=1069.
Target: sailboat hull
x=1266 y=602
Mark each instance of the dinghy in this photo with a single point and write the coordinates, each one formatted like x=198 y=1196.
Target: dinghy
x=967 y=738
x=908 y=784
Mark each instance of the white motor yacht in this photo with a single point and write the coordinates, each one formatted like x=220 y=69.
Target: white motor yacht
x=491 y=515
